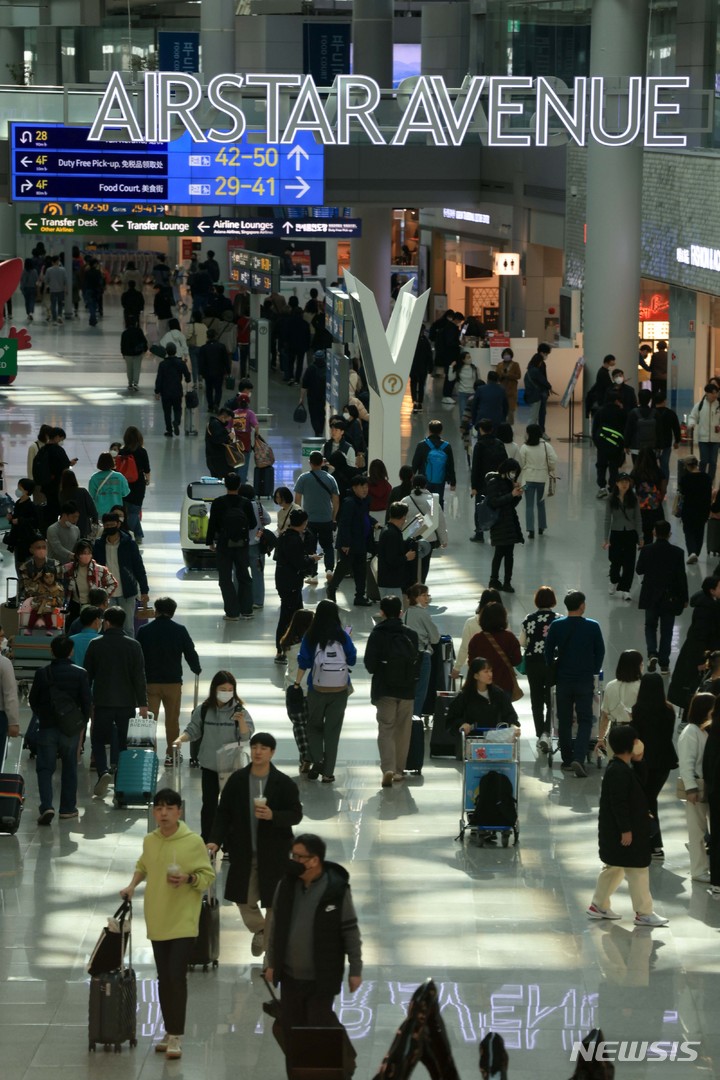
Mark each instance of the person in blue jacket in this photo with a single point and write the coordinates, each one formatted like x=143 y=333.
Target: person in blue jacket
x=354 y=540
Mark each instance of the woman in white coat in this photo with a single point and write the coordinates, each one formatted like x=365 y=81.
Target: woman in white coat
x=538 y=461
x=691 y=746
x=421 y=501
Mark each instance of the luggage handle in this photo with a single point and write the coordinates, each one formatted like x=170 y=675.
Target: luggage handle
x=7 y=590
x=8 y=740
x=176 y=771
x=123 y=915
x=196 y=694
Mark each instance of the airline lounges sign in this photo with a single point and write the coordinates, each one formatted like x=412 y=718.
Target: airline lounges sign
x=483 y=108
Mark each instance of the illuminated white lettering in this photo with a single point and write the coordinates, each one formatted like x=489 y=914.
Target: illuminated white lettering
x=272 y=84
x=597 y=113
x=216 y=99
x=421 y=100
x=360 y=110
x=308 y=99
x=115 y=97
x=573 y=122
x=655 y=108
x=499 y=107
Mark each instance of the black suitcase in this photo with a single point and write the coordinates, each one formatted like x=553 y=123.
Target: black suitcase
x=264 y=481
x=12 y=796
x=713 y=536
x=416 y=750
x=206 y=949
x=112 y=1014
x=444 y=743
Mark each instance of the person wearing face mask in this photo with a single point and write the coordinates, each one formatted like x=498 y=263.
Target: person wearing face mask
x=627 y=395
x=119 y=552
x=503 y=495
x=258 y=808
x=220 y=720
x=25 y=522
x=82 y=575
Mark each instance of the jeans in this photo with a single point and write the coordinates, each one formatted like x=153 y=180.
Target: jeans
x=417 y=388
x=439 y=490
x=653 y=616
x=51 y=745
x=664 y=461
x=29 y=295
x=234 y=579
x=91 y=303
x=578 y=693
x=257 y=573
x=194 y=359
x=534 y=492
x=694 y=533
x=171 y=961
x=128 y=604
x=57 y=305
x=462 y=400
x=708 y=457
x=324 y=532
x=623 y=546
x=540 y=694
x=109 y=726
x=132 y=513
x=423 y=682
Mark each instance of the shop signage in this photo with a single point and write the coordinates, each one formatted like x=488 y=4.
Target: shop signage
x=465 y=215
x=178 y=50
x=485 y=107
x=704 y=258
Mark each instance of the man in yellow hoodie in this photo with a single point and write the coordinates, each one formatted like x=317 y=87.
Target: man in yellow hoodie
x=175 y=864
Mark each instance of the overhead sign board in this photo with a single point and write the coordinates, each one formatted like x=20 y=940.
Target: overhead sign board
x=105 y=224
x=485 y=108
x=54 y=161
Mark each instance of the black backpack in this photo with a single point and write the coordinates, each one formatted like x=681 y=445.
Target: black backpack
x=646 y=432
x=235 y=532
x=495 y=804
x=400 y=664
x=42 y=473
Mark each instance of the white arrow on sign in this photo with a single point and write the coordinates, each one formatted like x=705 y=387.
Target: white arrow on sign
x=26 y=137
x=25 y=161
x=297 y=152
x=302 y=187
x=288 y=227
x=202 y=227
x=26 y=185
x=30 y=224
x=116 y=226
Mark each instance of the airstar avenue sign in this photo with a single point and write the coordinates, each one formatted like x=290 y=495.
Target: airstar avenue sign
x=485 y=108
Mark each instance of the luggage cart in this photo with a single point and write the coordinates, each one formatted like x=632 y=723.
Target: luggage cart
x=554 y=738
x=481 y=757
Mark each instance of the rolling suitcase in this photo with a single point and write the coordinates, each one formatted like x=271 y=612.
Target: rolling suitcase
x=206 y=949
x=112 y=1014
x=371 y=586
x=444 y=743
x=12 y=795
x=264 y=481
x=416 y=750
x=136 y=778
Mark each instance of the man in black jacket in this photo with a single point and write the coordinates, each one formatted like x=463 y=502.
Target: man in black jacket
x=624 y=833
x=217 y=437
x=50 y=462
x=64 y=677
x=314 y=927
x=608 y=434
x=663 y=594
x=391 y=657
x=213 y=365
x=396 y=555
x=603 y=383
x=228 y=535
x=668 y=430
x=433 y=458
x=488 y=454
x=295 y=337
x=115 y=667
x=314 y=385
x=164 y=644
x=353 y=540
x=257 y=841
x=292 y=566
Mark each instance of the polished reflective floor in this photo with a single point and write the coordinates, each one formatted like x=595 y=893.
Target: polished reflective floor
x=503 y=932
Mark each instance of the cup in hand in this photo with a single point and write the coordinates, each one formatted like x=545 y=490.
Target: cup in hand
x=260 y=800
x=172 y=871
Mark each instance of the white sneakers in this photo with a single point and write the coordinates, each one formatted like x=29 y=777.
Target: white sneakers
x=704 y=878
x=595 y=912
x=170 y=1046
x=653 y=919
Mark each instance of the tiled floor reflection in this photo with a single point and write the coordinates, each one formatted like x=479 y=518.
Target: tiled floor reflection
x=503 y=932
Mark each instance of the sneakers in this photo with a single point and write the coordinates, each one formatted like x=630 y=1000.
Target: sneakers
x=595 y=912
x=387 y=779
x=257 y=945
x=102 y=785
x=362 y=601
x=231 y=618
x=543 y=743
x=658 y=853
x=280 y=658
x=247 y=615
x=477 y=539
x=531 y=534
x=602 y=493
x=174 y=1049
x=578 y=768
x=448 y=400
x=653 y=919
x=704 y=878
x=46 y=817
x=398 y=776
x=612 y=589
x=714 y=892
x=665 y=670
x=692 y=560
x=161 y=1047
x=327 y=780
x=625 y=596
x=652 y=664
x=566 y=766
x=507 y=587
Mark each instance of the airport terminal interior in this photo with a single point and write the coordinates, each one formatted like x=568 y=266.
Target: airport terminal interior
x=503 y=932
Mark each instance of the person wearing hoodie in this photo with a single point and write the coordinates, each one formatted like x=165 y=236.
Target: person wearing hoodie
x=702 y=637
x=608 y=434
x=503 y=495
x=177 y=871
x=490 y=401
x=641 y=427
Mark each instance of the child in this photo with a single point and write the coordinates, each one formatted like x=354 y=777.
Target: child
x=49 y=596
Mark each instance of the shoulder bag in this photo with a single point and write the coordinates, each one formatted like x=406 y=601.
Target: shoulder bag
x=517 y=692
x=263 y=452
x=234 y=455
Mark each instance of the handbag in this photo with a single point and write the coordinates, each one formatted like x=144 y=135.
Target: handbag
x=158 y=350
x=699 y=783
x=234 y=455
x=191 y=399
x=300 y=414
x=517 y=691
x=267 y=542
x=109 y=953
x=230 y=758
x=264 y=454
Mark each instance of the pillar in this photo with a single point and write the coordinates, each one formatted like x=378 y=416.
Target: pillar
x=372 y=37
x=47 y=62
x=614 y=199
x=445 y=30
x=11 y=49
x=217 y=56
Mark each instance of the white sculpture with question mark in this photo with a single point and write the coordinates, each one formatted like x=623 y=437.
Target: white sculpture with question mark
x=387 y=356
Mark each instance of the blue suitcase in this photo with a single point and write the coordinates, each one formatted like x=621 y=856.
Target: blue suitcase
x=136 y=777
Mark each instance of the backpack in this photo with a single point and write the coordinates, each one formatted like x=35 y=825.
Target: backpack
x=610 y=437
x=330 y=666
x=485 y=515
x=127 y=465
x=400 y=663
x=495 y=803
x=646 y=433
x=235 y=532
x=436 y=462
x=42 y=473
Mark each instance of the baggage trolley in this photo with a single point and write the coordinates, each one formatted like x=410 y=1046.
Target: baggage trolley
x=481 y=757
x=554 y=738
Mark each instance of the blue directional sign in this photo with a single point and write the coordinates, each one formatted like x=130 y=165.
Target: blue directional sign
x=55 y=162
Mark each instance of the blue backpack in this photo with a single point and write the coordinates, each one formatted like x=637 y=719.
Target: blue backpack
x=436 y=463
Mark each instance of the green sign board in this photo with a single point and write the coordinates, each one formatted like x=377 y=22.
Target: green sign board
x=8 y=356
